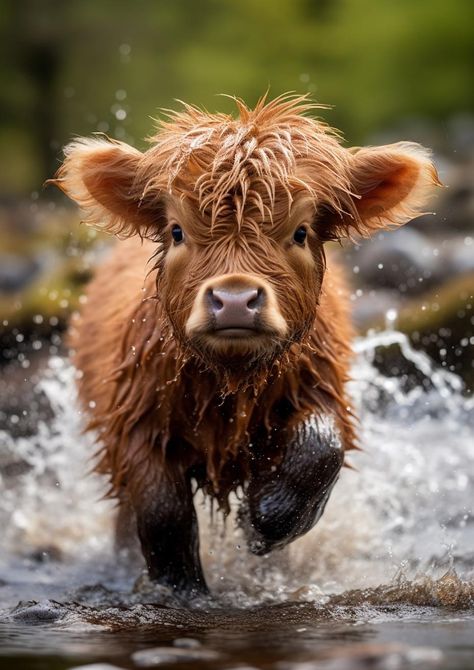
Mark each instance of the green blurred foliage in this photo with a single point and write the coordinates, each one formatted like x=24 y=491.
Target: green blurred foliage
x=79 y=66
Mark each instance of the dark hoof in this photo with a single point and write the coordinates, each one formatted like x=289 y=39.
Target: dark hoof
x=276 y=520
x=259 y=543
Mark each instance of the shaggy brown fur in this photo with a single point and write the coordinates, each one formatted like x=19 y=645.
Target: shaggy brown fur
x=238 y=187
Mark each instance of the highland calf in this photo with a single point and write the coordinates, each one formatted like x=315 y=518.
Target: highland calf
x=215 y=342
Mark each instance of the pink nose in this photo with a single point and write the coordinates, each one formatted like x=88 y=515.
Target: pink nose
x=235 y=308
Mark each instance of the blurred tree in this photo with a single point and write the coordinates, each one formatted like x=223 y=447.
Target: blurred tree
x=82 y=66
x=35 y=43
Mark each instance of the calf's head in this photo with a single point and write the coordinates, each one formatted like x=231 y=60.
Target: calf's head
x=240 y=209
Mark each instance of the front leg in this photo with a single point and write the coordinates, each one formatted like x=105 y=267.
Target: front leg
x=169 y=535
x=285 y=501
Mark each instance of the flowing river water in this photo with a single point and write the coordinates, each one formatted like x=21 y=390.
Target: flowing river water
x=385 y=580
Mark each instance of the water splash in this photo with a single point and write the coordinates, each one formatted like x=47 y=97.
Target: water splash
x=54 y=503
x=405 y=513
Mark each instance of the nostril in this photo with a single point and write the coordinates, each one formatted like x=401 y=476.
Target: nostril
x=216 y=303
x=256 y=299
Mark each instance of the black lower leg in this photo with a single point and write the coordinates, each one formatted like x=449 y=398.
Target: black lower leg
x=285 y=502
x=169 y=535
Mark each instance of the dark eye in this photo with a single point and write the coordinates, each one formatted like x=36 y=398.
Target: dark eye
x=300 y=235
x=177 y=234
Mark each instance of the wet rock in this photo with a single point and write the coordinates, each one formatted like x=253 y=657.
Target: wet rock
x=403 y=259
x=45 y=259
x=372 y=305
x=33 y=612
x=149 y=658
x=440 y=322
x=16 y=272
x=186 y=643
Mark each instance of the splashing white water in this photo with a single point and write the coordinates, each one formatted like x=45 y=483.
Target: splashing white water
x=408 y=507
x=56 y=501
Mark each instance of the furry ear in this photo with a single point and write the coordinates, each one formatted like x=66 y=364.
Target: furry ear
x=389 y=186
x=100 y=175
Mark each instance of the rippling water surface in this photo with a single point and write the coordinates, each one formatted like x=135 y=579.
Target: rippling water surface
x=385 y=580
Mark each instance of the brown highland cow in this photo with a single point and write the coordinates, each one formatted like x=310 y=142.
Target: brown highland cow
x=215 y=342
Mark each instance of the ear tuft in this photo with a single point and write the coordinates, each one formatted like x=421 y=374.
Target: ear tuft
x=394 y=183
x=100 y=176
x=390 y=185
